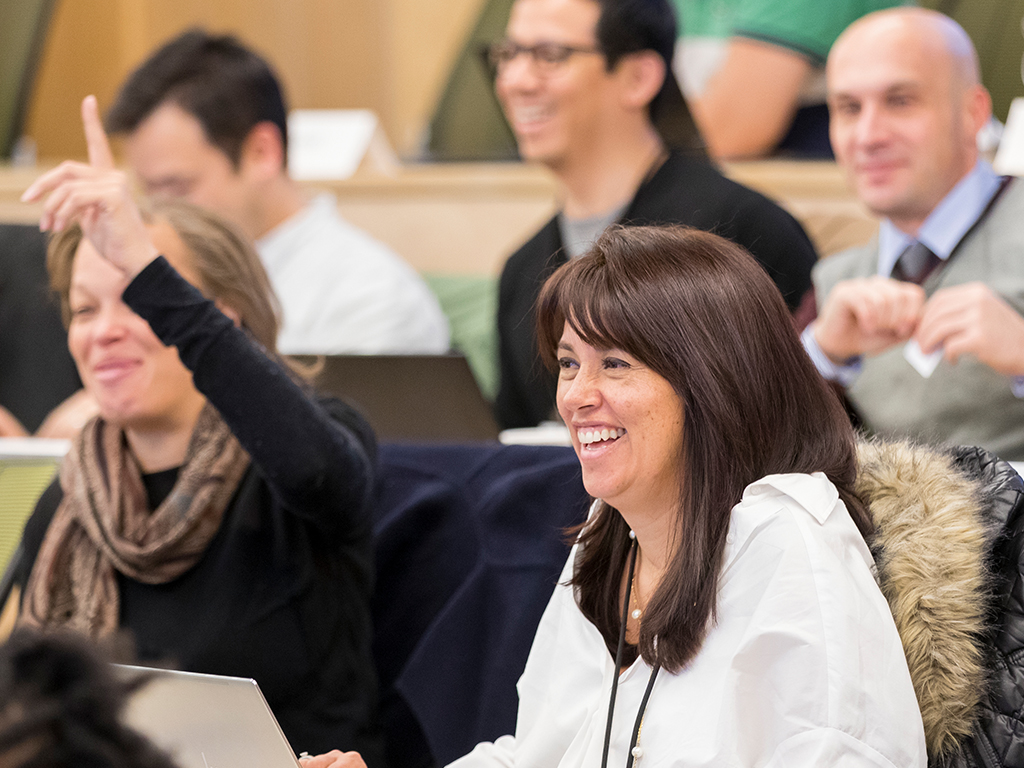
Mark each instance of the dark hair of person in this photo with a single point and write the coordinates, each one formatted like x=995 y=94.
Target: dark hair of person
x=225 y=86
x=61 y=707
x=699 y=311
x=628 y=26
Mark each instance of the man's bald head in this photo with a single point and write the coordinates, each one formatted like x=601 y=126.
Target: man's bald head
x=938 y=35
x=906 y=104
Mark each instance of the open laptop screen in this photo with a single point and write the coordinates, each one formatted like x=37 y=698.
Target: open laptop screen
x=208 y=721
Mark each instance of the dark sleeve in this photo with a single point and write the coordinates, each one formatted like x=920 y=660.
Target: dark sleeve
x=526 y=390
x=35 y=530
x=779 y=244
x=510 y=407
x=313 y=464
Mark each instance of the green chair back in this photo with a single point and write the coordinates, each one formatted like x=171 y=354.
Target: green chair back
x=470 y=302
x=22 y=481
x=468 y=124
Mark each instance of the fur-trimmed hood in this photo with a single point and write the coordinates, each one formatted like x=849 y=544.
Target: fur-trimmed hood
x=940 y=515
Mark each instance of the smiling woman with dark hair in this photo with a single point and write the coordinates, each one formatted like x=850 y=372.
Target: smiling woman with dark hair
x=719 y=607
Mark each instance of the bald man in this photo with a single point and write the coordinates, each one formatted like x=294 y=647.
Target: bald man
x=923 y=326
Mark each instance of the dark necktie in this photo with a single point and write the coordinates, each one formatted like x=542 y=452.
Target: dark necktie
x=915 y=264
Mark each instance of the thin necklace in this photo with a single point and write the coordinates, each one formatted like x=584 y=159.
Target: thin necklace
x=637 y=611
x=635 y=751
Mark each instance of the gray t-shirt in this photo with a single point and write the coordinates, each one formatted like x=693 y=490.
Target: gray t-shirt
x=579 y=234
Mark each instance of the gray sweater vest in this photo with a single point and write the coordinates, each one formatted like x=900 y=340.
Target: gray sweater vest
x=963 y=404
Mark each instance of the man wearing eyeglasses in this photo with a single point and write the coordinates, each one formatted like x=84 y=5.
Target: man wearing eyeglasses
x=587 y=88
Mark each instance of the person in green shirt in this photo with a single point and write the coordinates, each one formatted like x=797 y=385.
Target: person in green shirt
x=753 y=71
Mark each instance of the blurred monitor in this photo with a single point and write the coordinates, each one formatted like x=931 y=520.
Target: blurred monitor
x=412 y=398
x=27 y=466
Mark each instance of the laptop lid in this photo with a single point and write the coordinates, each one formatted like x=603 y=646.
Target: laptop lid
x=423 y=398
x=208 y=721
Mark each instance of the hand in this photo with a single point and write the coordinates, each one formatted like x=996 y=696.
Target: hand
x=973 y=319
x=67 y=419
x=10 y=426
x=97 y=197
x=865 y=316
x=333 y=759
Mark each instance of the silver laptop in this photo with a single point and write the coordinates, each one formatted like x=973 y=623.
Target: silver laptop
x=208 y=721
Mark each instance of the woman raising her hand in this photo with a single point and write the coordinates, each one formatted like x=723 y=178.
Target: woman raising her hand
x=214 y=508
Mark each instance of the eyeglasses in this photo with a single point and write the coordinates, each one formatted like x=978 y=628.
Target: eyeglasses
x=547 y=57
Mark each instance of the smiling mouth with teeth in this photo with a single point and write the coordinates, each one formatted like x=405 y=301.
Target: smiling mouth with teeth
x=590 y=436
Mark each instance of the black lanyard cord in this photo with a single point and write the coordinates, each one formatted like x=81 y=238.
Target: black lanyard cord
x=618 y=656
x=640 y=718
x=618 y=666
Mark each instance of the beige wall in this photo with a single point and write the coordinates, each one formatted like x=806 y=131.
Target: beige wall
x=389 y=55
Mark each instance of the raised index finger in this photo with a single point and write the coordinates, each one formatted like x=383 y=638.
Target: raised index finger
x=100 y=155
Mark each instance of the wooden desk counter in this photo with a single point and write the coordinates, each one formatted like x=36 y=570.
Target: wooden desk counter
x=457 y=218
x=468 y=218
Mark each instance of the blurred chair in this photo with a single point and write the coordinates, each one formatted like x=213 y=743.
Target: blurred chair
x=468 y=123
x=36 y=370
x=27 y=466
x=470 y=543
x=470 y=302
x=995 y=28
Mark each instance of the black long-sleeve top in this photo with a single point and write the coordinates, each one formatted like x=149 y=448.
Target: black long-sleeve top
x=282 y=592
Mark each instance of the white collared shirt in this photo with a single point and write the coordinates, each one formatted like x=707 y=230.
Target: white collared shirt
x=948 y=222
x=803 y=668
x=342 y=292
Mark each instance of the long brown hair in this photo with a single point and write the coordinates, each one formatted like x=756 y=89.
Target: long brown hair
x=699 y=311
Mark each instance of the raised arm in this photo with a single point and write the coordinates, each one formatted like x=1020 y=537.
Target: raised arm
x=315 y=465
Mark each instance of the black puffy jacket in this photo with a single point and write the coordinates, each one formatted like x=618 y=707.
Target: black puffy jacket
x=949 y=549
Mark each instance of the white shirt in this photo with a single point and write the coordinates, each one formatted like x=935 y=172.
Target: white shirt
x=803 y=668
x=341 y=291
x=947 y=224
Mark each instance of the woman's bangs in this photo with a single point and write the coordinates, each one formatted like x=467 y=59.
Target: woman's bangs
x=595 y=310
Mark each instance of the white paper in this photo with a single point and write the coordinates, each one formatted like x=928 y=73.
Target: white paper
x=923 y=364
x=1009 y=158
x=328 y=143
